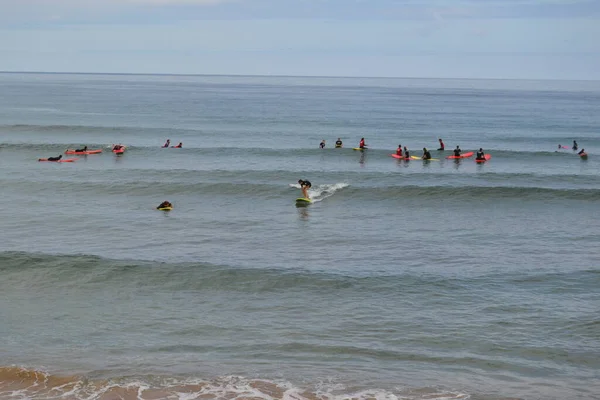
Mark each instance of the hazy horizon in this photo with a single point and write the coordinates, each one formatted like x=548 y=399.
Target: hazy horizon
x=445 y=39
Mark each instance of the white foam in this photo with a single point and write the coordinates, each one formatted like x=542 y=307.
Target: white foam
x=321 y=192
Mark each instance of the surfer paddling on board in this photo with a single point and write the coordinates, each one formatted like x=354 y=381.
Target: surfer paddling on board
x=362 y=144
x=442 y=147
x=305 y=185
x=179 y=146
x=582 y=152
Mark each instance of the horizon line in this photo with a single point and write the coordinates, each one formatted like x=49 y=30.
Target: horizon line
x=288 y=76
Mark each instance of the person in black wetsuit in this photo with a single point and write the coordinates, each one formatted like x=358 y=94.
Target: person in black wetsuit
x=338 y=143
x=457 y=151
x=406 y=153
x=81 y=150
x=480 y=154
x=164 y=204
x=55 y=158
x=426 y=154
x=575 y=145
x=322 y=145
x=581 y=152
x=305 y=185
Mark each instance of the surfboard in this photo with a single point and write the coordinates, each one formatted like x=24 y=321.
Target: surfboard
x=165 y=208
x=583 y=155
x=86 y=152
x=396 y=156
x=59 y=161
x=420 y=158
x=486 y=157
x=303 y=201
x=358 y=148
x=465 y=155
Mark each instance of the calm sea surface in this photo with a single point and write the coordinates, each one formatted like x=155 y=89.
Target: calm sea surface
x=403 y=280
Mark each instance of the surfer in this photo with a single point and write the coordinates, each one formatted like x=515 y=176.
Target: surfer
x=338 y=143
x=322 y=145
x=81 y=150
x=399 y=151
x=582 y=152
x=480 y=154
x=55 y=158
x=574 y=145
x=164 y=204
x=406 y=153
x=305 y=185
x=457 y=151
x=180 y=145
x=117 y=147
x=362 y=144
x=442 y=147
x=167 y=143
x=426 y=154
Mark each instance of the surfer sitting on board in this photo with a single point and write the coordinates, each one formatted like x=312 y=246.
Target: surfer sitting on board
x=399 y=151
x=442 y=147
x=406 y=153
x=457 y=151
x=362 y=144
x=305 y=185
x=167 y=143
x=338 y=143
x=426 y=154
x=480 y=154
x=322 y=145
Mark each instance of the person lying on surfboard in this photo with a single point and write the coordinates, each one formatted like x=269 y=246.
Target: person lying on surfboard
x=117 y=147
x=442 y=147
x=362 y=144
x=165 y=204
x=581 y=152
x=54 y=158
x=406 y=153
x=81 y=150
x=305 y=185
x=426 y=154
x=338 y=143
x=480 y=154
x=180 y=145
x=457 y=151
x=399 y=151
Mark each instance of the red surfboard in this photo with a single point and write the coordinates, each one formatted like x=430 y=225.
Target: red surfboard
x=465 y=155
x=486 y=157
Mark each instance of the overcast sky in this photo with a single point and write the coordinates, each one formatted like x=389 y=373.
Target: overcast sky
x=530 y=39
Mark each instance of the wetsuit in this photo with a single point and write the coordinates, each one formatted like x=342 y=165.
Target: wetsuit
x=322 y=145
x=574 y=145
x=54 y=158
x=457 y=152
x=338 y=143
x=480 y=155
x=406 y=153
x=426 y=155
x=81 y=150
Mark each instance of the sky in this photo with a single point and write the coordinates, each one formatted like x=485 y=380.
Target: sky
x=499 y=39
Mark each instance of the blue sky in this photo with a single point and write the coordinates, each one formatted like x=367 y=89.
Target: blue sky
x=523 y=39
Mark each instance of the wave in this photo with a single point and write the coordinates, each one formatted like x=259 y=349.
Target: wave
x=19 y=383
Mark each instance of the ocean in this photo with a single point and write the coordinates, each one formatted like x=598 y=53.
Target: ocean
x=446 y=279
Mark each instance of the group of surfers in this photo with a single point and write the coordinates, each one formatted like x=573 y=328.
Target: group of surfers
x=405 y=154
x=168 y=143
x=575 y=147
